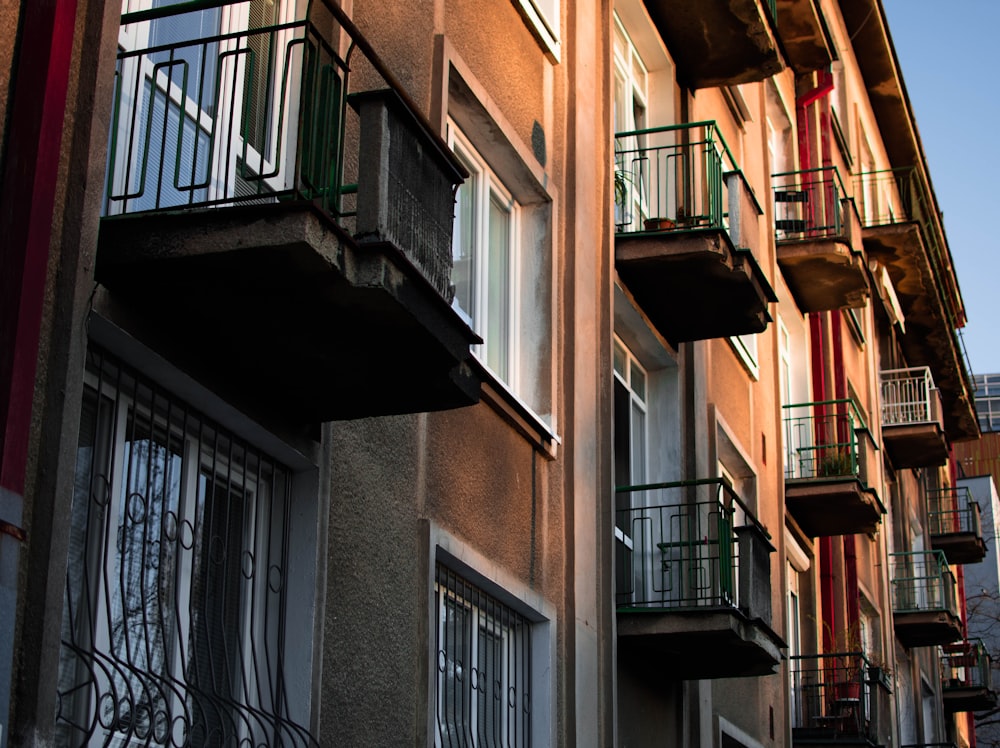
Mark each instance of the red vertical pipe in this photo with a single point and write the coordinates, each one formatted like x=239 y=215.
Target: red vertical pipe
x=27 y=199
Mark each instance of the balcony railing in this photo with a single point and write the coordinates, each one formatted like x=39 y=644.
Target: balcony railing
x=838 y=697
x=966 y=664
x=690 y=545
x=671 y=178
x=270 y=114
x=822 y=439
x=909 y=396
x=953 y=510
x=890 y=196
x=922 y=582
x=808 y=204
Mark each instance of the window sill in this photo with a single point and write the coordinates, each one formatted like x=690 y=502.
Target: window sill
x=515 y=411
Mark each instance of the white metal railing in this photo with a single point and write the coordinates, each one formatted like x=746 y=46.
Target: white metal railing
x=908 y=396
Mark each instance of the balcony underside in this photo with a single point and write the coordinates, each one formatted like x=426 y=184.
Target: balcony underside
x=960 y=547
x=930 y=339
x=718 y=42
x=823 y=274
x=276 y=303
x=694 y=645
x=833 y=506
x=803 y=35
x=914 y=445
x=926 y=628
x=968 y=698
x=693 y=285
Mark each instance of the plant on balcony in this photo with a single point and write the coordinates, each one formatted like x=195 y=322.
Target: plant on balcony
x=834 y=463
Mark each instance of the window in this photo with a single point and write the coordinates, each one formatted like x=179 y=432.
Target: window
x=484 y=256
x=543 y=16
x=174 y=630
x=484 y=667
x=629 y=457
x=746 y=348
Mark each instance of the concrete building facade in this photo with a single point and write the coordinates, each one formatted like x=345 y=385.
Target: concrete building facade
x=519 y=372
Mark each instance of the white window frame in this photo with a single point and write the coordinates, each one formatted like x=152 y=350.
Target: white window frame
x=487 y=187
x=543 y=18
x=745 y=347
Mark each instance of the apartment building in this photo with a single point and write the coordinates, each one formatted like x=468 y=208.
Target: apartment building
x=518 y=372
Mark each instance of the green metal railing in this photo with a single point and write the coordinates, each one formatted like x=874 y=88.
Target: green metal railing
x=671 y=178
x=966 y=664
x=953 y=510
x=808 y=204
x=822 y=439
x=921 y=582
x=690 y=544
x=841 y=695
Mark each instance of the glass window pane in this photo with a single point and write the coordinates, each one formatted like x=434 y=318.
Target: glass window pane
x=498 y=289
x=463 y=249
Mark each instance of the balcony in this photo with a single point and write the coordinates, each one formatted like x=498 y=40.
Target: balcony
x=719 y=42
x=955 y=525
x=281 y=231
x=966 y=677
x=693 y=582
x=924 y=599
x=912 y=431
x=818 y=238
x=839 y=699
x=686 y=234
x=829 y=450
x=903 y=233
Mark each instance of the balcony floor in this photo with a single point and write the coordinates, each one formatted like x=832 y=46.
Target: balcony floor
x=698 y=644
x=276 y=303
x=833 y=506
x=694 y=285
x=913 y=445
x=925 y=628
x=823 y=274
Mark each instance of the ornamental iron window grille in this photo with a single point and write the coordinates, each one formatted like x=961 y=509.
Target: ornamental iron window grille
x=483 y=667
x=173 y=630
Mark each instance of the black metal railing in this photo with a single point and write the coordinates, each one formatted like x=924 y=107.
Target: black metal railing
x=808 y=204
x=177 y=602
x=922 y=582
x=690 y=544
x=838 y=696
x=953 y=510
x=966 y=664
x=206 y=113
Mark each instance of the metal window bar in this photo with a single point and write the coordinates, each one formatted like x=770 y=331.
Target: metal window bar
x=483 y=667
x=922 y=581
x=838 y=696
x=175 y=602
x=672 y=178
x=953 y=510
x=907 y=396
x=822 y=439
x=966 y=664
x=690 y=544
x=807 y=204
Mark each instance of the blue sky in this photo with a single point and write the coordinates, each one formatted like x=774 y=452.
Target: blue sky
x=950 y=56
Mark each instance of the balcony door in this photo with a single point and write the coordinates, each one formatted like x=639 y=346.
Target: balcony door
x=202 y=105
x=630 y=460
